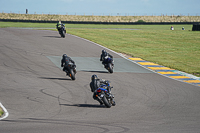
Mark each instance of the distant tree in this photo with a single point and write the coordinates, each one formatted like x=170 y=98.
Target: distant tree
x=140 y=21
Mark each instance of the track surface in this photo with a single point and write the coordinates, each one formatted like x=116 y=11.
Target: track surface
x=40 y=98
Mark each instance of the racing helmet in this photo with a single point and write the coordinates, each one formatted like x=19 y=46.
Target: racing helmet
x=94 y=77
x=64 y=55
x=103 y=51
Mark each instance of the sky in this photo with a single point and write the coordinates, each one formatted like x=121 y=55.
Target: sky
x=103 y=7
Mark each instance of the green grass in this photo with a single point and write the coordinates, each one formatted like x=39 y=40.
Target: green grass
x=26 y=25
x=176 y=49
x=53 y=25
x=1 y=112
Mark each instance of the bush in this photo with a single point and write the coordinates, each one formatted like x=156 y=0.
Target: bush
x=141 y=21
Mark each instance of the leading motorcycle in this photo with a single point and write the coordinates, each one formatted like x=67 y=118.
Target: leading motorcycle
x=62 y=31
x=104 y=94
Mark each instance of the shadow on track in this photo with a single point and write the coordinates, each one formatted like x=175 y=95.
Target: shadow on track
x=54 y=78
x=95 y=71
x=85 y=105
x=52 y=36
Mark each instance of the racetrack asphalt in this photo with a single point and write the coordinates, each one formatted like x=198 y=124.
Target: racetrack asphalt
x=40 y=98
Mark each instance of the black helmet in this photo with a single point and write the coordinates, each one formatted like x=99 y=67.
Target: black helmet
x=64 y=55
x=103 y=51
x=94 y=77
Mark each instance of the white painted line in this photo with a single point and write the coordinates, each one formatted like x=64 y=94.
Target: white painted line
x=5 y=112
x=186 y=74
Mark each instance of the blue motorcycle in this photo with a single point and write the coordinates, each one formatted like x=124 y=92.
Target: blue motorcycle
x=104 y=94
x=109 y=64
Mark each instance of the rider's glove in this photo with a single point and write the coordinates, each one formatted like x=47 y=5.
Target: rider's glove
x=103 y=80
x=106 y=82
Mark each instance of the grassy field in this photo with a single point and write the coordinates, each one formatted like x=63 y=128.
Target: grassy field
x=1 y=112
x=26 y=25
x=176 y=49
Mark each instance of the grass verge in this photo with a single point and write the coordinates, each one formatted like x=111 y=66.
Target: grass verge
x=178 y=49
x=1 y=112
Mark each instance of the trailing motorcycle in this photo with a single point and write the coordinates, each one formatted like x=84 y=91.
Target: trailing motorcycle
x=109 y=64
x=71 y=70
x=104 y=94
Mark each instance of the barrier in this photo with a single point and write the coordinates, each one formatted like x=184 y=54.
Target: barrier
x=196 y=27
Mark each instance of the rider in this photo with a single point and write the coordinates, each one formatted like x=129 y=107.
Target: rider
x=65 y=61
x=95 y=84
x=104 y=56
x=59 y=25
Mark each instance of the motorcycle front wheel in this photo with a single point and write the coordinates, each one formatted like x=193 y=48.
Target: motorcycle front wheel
x=105 y=101
x=63 y=33
x=71 y=74
x=110 y=68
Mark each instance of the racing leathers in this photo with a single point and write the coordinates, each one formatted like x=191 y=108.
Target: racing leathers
x=59 y=25
x=64 y=63
x=104 y=56
x=94 y=85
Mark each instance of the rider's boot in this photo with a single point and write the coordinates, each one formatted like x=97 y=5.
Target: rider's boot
x=67 y=73
x=113 y=103
x=101 y=103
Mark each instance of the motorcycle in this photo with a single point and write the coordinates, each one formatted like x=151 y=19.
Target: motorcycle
x=109 y=64
x=62 y=31
x=71 y=70
x=104 y=94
